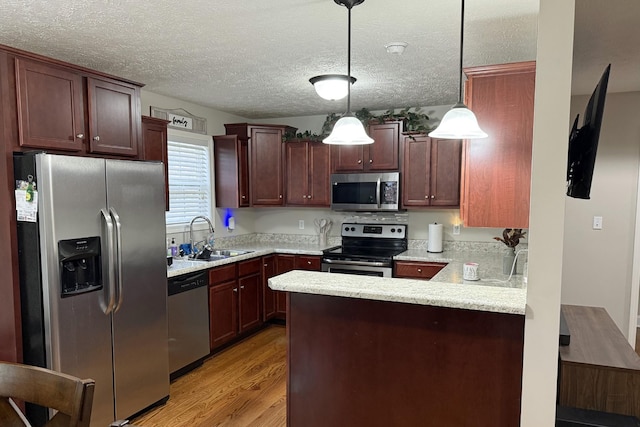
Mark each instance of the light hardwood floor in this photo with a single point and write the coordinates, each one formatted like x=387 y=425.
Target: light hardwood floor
x=244 y=385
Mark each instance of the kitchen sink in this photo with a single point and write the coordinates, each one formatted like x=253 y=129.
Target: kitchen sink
x=218 y=254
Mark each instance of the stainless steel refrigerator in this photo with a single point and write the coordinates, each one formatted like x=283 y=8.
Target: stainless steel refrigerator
x=93 y=277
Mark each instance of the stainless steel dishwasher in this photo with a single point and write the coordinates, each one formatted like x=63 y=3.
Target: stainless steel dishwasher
x=188 y=312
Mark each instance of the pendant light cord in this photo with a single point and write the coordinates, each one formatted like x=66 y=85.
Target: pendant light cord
x=461 y=45
x=349 y=63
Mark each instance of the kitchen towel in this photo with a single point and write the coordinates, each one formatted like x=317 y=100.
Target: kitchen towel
x=435 y=238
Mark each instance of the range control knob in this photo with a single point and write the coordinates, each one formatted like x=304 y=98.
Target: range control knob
x=393 y=230
x=353 y=229
x=400 y=230
x=346 y=229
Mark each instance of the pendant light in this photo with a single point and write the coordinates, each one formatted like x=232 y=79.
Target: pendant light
x=331 y=86
x=348 y=130
x=459 y=122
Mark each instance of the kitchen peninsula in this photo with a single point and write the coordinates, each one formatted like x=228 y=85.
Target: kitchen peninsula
x=379 y=351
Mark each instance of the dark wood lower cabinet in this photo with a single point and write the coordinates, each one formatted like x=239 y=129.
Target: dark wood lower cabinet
x=417 y=270
x=286 y=263
x=268 y=296
x=356 y=362
x=235 y=301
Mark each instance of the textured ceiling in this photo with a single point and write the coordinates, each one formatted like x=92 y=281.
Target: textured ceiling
x=253 y=58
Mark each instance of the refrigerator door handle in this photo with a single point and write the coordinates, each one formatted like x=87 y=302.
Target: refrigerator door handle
x=110 y=270
x=118 y=234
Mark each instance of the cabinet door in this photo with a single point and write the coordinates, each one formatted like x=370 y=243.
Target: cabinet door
x=231 y=160
x=417 y=270
x=266 y=166
x=383 y=153
x=348 y=158
x=223 y=314
x=501 y=96
x=50 y=107
x=445 y=172
x=416 y=185
x=250 y=302
x=284 y=263
x=114 y=118
x=308 y=262
x=154 y=146
x=319 y=174
x=268 y=296
x=297 y=161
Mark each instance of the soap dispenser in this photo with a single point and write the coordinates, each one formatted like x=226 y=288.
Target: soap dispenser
x=174 y=248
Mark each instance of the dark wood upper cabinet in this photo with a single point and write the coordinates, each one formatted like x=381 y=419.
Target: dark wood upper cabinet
x=266 y=160
x=113 y=112
x=307 y=173
x=431 y=172
x=382 y=155
x=231 y=160
x=154 y=146
x=50 y=106
x=502 y=97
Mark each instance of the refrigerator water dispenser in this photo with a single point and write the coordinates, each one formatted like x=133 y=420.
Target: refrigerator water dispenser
x=80 y=263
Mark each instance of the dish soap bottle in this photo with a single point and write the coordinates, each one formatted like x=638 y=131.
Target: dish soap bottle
x=174 y=248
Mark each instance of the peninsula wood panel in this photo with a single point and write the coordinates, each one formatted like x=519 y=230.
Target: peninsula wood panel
x=599 y=370
x=496 y=171
x=356 y=362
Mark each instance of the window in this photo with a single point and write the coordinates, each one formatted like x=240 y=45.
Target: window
x=189 y=163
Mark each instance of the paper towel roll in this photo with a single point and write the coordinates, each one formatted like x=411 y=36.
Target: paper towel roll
x=435 y=238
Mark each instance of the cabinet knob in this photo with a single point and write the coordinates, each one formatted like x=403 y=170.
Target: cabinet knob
x=309 y=262
x=244 y=197
x=280 y=196
x=235 y=289
x=370 y=160
x=96 y=138
x=359 y=161
x=433 y=197
x=309 y=196
x=265 y=265
x=80 y=135
x=419 y=270
x=304 y=196
x=242 y=287
x=426 y=197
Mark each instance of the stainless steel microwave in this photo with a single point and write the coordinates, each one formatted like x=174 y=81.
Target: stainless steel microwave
x=368 y=192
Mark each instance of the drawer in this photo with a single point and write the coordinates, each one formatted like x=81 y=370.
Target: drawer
x=222 y=274
x=251 y=266
x=308 y=263
x=417 y=270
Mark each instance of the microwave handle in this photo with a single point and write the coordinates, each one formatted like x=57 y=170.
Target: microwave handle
x=378 y=192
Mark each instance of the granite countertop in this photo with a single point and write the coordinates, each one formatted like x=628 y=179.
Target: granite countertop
x=493 y=292
x=182 y=266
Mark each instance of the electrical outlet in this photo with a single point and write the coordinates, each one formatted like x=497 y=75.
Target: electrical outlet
x=456 y=229
x=597 y=223
x=301 y=224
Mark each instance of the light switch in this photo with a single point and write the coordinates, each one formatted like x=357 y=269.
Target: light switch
x=597 y=223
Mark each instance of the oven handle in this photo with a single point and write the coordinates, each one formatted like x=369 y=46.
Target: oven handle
x=363 y=263
x=378 y=192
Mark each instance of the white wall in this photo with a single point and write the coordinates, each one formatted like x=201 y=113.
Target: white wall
x=597 y=264
x=550 y=127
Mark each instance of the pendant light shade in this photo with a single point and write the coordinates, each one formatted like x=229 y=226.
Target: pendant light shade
x=331 y=86
x=459 y=122
x=348 y=130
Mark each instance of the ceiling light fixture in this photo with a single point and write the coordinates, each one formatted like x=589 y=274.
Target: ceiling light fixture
x=331 y=86
x=459 y=122
x=348 y=130
x=396 y=48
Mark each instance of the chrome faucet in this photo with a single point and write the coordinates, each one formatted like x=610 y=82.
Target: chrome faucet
x=191 y=242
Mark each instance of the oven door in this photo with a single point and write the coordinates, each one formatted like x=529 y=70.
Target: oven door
x=353 y=267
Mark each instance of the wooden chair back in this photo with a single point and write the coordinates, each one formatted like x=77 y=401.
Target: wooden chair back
x=70 y=396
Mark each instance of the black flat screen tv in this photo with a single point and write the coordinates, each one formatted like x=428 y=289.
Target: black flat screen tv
x=583 y=142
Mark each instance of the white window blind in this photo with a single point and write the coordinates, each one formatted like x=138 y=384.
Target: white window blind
x=189 y=181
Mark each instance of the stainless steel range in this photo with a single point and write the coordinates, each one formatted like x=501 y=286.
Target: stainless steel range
x=367 y=249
